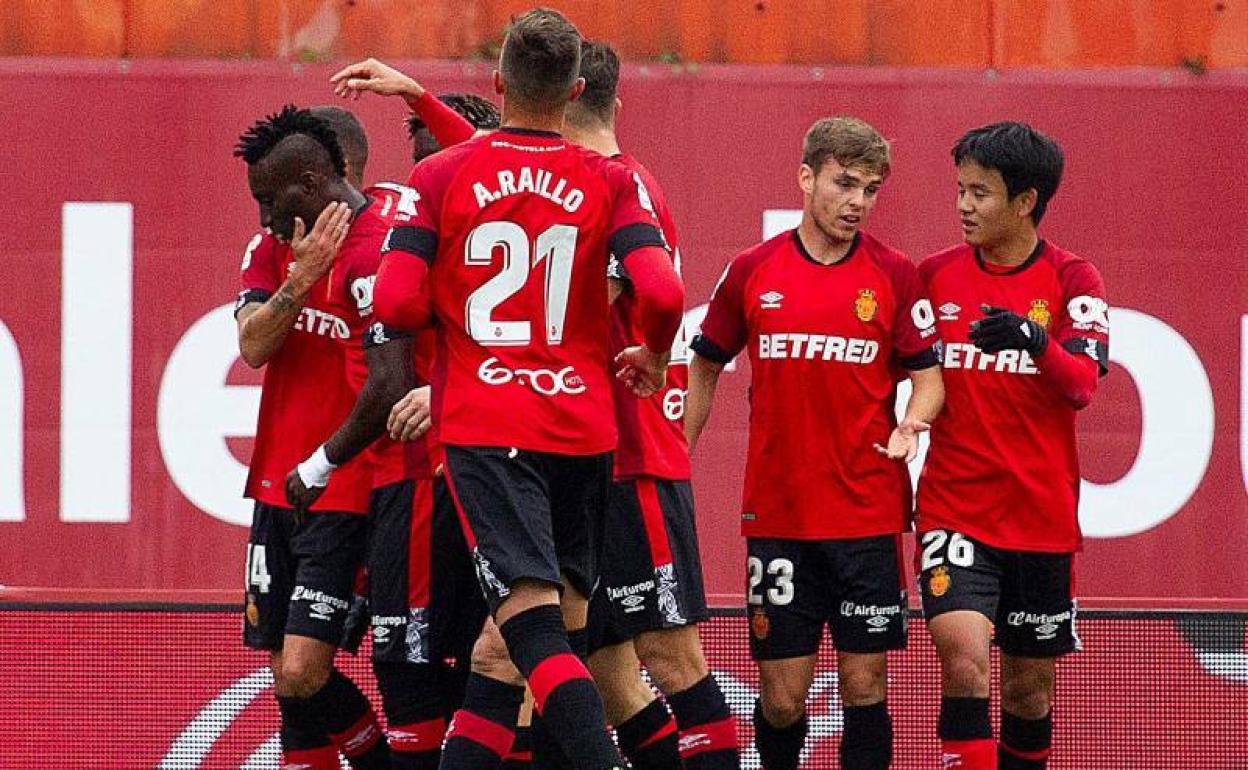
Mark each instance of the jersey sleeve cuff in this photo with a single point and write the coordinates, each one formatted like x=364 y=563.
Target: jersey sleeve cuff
x=703 y=346
x=629 y=238
x=418 y=241
x=248 y=296
x=1094 y=349
x=923 y=360
x=379 y=334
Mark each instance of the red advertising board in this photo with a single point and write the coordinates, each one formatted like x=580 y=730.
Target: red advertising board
x=125 y=415
x=176 y=691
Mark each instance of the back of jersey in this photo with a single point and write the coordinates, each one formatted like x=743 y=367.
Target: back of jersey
x=522 y=223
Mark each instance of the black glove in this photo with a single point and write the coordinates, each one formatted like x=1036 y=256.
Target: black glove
x=1001 y=329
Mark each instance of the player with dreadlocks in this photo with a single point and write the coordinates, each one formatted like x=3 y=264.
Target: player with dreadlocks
x=481 y=113
x=301 y=569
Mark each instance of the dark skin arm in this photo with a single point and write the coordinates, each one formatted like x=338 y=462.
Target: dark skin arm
x=390 y=376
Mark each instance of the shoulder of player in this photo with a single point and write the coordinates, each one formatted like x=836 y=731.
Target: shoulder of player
x=887 y=257
x=1072 y=270
x=934 y=263
x=747 y=262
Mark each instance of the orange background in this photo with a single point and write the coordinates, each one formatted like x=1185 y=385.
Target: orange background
x=968 y=33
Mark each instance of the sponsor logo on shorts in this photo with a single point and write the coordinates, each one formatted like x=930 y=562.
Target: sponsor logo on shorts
x=877 y=616
x=633 y=597
x=938 y=584
x=1046 y=626
x=323 y=605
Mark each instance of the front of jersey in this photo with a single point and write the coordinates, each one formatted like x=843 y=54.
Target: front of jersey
x=305 y=395
x=518 y=225
x=351 y=291
x=1003 y=465
x=652 y=432
x=825 y=343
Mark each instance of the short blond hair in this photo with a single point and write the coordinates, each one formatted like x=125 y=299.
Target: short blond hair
x=849 y=141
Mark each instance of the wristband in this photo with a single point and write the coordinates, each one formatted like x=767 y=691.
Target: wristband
x=315 y=471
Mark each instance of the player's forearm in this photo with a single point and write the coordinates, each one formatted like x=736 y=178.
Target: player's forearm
x=927 y=396
x=1072 y=376
x=446 y=125
x=366 y=423
x=703 y=380
x=261 y=332
x=660 y=296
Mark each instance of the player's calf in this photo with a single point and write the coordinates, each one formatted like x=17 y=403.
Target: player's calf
x=1027 y=686
x=867 y=742
x=482 y=733
x=411 y=700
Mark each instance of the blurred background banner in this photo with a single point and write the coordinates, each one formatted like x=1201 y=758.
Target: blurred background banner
x=126 y=417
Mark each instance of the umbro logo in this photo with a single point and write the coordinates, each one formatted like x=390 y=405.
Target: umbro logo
x=949 y=311
x=771 y=300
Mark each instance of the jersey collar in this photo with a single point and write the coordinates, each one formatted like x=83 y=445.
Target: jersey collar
x=1026 y=263
x=801 y=249
x=530 y=132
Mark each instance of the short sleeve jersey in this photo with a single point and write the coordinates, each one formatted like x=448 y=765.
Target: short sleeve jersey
x=351 y=290
x=652 y=434
x=1003 y=465
x=295 y=416
x=825 y=343
x=517 y=226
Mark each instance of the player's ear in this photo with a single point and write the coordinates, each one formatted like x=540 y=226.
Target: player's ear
x=578 y=88
x=310 y=182
x=498 y=83
x=806 y=179
x=1025 y=202
x=619 y=105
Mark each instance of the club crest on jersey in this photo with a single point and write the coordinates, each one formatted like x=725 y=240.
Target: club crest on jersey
x=760 y=624
x=1040 y=312
x=771 y=300
x=938 y=584
x=866 y=305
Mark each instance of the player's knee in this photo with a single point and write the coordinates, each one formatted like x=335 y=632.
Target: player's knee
x=863 y=685
x=300 y=676
x=673 y=657
x=1028 y=695
x=782 y=704
x=491 y=659
x=964 y=676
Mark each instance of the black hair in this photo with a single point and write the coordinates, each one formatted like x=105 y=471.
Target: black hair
x=481 y=113
x=600 y=66
x=349 y=133
x=1026 y=159
x=259 y=140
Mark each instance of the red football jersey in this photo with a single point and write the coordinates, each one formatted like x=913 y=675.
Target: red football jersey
x=305 y=395
x=351 y=289
x=652 y=433
x=825 y=342
x=518 y=225
x=1002 y=466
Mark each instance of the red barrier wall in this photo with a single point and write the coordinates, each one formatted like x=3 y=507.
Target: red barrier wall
x=1154 y=195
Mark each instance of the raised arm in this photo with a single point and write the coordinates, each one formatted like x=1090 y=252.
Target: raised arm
x=446 y=125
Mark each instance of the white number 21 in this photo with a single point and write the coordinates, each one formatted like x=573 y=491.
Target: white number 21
x=556 y=245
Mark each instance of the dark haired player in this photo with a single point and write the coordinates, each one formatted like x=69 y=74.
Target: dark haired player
x=481 y=113
x=650 y=597
x=829 y=315
x=1026 y=330
x=509 y=252
x=300 y=570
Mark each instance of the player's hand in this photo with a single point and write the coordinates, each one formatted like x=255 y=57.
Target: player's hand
x=1002 y=329
x=411 y=416
x=642 y=370
x=372 y=75
x=299 y=495
x=315 y=251
x=903 y=444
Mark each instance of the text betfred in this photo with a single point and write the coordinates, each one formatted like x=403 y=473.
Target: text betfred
x=823 y=347
x=964 y=355
x=539 y=182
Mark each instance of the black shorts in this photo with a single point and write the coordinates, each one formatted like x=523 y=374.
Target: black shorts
x=422 y=591
x=653 y=578
x=1028 y=596
x=300 y=577
x=794 y=587
x=530 y=515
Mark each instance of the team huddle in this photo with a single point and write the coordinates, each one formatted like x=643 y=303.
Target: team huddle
x=479 y=406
